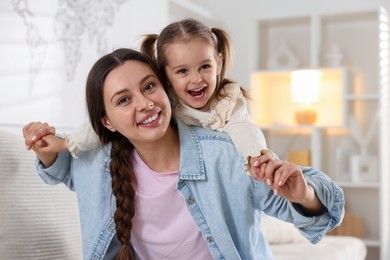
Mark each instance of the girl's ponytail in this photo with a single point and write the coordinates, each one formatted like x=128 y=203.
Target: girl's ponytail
x=223 y=47
x=148 y=46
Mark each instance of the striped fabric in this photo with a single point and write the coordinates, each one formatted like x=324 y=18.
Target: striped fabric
x=37 y=221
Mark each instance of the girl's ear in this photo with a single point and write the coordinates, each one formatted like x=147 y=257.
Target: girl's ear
x=107 y=124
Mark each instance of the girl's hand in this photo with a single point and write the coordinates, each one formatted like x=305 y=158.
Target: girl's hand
x=256 y=170
x=33 y=133
x=40 y=137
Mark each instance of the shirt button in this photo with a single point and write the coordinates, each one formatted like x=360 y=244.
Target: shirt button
x=209 y=239
x=190 y=201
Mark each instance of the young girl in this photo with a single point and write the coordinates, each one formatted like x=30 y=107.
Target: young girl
x=179 y=191
x=194 y=58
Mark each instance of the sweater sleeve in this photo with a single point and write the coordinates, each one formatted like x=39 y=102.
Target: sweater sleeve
x=246 y=136
x=83 y=138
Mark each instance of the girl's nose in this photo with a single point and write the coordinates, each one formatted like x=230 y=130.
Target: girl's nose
x=196 y=77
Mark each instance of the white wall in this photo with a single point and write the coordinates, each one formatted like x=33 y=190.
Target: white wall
x=36 y=82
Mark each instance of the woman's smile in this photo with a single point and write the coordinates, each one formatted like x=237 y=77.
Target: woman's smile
x=151 y=120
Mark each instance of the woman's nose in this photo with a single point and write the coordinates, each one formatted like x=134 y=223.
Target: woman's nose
x=144 y=104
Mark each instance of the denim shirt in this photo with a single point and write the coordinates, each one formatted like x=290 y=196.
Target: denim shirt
x=225 y=203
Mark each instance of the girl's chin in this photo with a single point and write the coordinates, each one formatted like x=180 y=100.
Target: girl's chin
x=197 y=103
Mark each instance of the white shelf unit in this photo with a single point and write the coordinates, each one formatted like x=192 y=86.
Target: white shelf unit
x=309 y=39
x=273 y=110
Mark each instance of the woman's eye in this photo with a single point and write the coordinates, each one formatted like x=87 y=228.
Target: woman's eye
x=150 y=87
x=123 y=100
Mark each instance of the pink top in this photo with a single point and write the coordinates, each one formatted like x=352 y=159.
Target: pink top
x=162 y=226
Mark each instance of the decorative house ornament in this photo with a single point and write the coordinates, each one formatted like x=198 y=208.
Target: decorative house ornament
x=363 y=166
x=284 y=58
x=334 y=57
x=343 y=153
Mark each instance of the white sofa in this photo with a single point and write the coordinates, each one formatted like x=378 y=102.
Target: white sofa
x=39 y=221
x=287 y=243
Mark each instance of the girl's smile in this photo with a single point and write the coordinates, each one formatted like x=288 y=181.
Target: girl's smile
x=198 y=93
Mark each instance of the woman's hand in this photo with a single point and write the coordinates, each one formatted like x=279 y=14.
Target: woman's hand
x=286 y=179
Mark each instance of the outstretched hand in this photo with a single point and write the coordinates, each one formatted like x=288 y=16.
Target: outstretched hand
x=285 y=179
x=40 y=137
x=33 y=133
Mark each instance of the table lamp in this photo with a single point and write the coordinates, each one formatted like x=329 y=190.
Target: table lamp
x=305 y=90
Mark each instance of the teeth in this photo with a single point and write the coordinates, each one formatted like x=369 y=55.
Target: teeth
x=197 y=89
x=150 y=119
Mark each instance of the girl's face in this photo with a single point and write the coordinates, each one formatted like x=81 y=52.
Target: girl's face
x=136 y=103
x=192 y=69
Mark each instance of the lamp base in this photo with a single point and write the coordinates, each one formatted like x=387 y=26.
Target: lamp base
x=305 y=116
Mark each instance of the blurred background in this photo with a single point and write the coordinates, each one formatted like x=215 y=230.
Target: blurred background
x=47 y=48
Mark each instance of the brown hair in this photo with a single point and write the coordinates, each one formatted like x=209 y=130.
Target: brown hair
x=155 y=46
x=121 y=168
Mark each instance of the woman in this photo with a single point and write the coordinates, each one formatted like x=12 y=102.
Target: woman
x=180 y=192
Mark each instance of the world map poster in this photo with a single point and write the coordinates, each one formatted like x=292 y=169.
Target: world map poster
x=46 y=49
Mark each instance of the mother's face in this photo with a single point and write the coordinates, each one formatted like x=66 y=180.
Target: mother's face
x=136 y=103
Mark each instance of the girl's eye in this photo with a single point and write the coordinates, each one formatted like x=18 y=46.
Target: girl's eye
x=123 y=100
x=151 y=87
x=205 y=66
x=182 y=71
